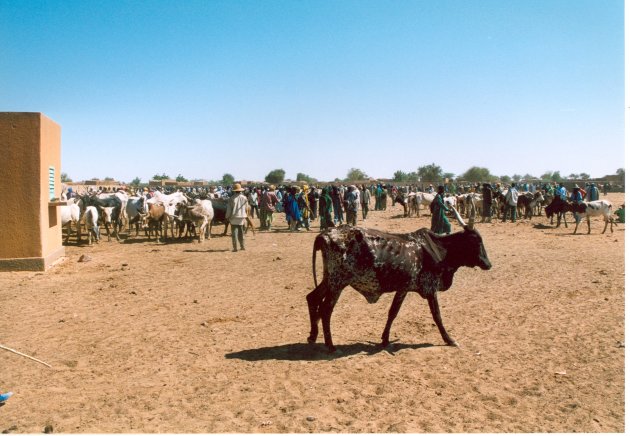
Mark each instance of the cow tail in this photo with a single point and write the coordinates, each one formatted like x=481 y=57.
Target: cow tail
x=318 y=245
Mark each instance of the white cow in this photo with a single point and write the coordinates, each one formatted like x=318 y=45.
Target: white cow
x=91 y=223
x=70 y=214
x=589 y=209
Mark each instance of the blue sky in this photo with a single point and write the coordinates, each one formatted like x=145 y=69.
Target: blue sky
x=204 y=88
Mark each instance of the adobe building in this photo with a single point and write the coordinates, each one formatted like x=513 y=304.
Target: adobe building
x=30 y=184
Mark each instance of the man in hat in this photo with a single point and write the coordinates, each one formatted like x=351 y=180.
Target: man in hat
x=236 y=213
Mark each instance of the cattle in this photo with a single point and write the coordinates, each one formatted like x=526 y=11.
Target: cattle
x=201 y=214
x=375 y=262
x=558 y=207
x=112 y=202
x=156 y=219
x=220 y=207
x=91 y=223
x=589 y=209
x=402 y=199
x=71 y=214
x=135 y=210
x=527 y=203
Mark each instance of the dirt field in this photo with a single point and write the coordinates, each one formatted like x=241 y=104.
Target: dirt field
x=189 y=337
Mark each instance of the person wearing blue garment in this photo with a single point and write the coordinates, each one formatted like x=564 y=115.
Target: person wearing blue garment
x=576 y=196
x=561 y=192
x=292 y=209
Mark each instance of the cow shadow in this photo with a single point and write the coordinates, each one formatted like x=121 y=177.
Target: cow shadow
x=540 y=226
x=223 y=250
x=317 y=352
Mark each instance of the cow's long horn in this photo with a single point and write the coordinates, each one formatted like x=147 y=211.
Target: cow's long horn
x=473 y=212
x=458 y=217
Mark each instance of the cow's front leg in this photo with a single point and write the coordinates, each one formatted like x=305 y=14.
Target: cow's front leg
x=437 y=318
x=393 y=312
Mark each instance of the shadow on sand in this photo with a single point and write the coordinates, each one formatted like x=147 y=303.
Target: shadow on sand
x=314 y=352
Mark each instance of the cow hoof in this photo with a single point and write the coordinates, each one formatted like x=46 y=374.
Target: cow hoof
x=452 y=344
x=385 y=343
x=311 y=340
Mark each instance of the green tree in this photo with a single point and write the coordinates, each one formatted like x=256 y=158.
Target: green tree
x=355 y=174
x=136 y=181
x=528 y=176
x=180 y=178
x=477 y=174
x=517 y=177
x=621 y=173
x=109 y=179
x=449 y=176
x=504 y=179
x=430 y=173
x=305 y=178
x=275 y=176
x=401 y=176
x=161 y=177
x=65 y=178
x=228 y=179
x=585 y=176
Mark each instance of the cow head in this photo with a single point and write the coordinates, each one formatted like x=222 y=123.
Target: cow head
x=472 y=252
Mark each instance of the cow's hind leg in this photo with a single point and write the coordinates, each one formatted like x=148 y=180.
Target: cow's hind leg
x=437 y=318
x=314 y=300
x=393 y=312
x=326 y=309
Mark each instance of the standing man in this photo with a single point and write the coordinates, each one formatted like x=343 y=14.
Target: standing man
x=252 y=198
x=267 y=207
x=366 y=198
x=486 y=193
x=352 y=202
x=236 y=213
x=511 y=199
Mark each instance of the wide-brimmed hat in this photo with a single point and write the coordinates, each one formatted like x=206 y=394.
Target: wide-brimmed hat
x=237 y=187
x=272 y=187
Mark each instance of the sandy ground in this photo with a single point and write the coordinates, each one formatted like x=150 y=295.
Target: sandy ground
x=189 y=337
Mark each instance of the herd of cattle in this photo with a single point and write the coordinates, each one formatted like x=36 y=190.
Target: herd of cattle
x=196 y=216
x=156 y=215
x=528 y=205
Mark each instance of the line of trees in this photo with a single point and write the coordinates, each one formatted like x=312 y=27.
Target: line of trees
x=426 y=173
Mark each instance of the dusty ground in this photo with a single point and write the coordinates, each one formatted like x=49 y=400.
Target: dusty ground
x=188 y=337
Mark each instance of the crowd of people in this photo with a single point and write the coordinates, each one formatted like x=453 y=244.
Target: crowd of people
x=335 y=204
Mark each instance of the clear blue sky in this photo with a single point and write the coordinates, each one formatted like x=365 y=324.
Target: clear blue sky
x=204 y=88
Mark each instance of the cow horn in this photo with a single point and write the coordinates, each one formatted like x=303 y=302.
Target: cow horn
x=458 y=217
x=473 y=212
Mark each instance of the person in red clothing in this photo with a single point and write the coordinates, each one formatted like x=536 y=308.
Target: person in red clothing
x=268 y=203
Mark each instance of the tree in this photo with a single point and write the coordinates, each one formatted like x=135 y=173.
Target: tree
x=109 y=179
x=528 y=176
x=504 y=179
x=136 y=181
x=228 y=179
x=65 y=178
x=430 y=173
x=477 y=174
x=275 y=176
x=305 y=178
x=180 y=178
x=161 y=177
x=517 y=177
x=585 y=176
x=552 y=176
x=449 y=176
x=355 y=174
x=401 y=176
x=621 y=172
